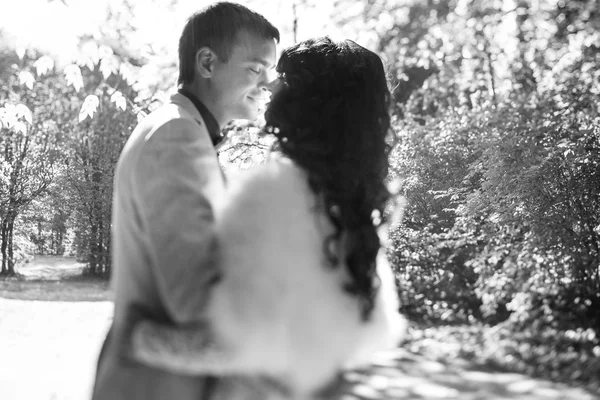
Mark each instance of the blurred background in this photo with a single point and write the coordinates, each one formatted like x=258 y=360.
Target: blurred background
x=497 y=118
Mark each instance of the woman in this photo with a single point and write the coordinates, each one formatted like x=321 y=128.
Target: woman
x=306 y=287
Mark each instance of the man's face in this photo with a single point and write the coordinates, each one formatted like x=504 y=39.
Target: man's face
x=240 y=84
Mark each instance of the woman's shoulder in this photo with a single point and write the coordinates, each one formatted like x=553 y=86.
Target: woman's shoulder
x=278 y=165
x=271 y=197
x=277 y=173
x=278 y=183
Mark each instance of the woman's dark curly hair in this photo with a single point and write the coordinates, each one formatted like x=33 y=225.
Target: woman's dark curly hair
x=331 y=117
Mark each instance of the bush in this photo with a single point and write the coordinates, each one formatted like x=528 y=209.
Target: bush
x=553 y=334
x=435 y=284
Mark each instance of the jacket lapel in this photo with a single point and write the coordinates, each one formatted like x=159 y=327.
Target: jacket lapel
x=185 y=103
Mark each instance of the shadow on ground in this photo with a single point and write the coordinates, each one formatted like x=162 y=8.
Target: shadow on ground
x=405 y=375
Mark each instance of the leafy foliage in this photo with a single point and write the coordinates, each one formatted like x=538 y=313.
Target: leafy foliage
x=64 y=151
x=29 y=144
x=499 y=155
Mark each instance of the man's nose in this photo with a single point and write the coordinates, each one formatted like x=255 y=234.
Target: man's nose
x=271 y=84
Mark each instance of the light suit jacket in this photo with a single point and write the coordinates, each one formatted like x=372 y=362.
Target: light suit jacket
x=167 y=180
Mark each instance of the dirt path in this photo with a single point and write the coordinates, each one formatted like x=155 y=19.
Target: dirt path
x=50 y=268
x=404 y=375
x=48 y=348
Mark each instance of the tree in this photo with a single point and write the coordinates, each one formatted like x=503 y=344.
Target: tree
x=29 y=142
x=106 y=119
x=79 y=122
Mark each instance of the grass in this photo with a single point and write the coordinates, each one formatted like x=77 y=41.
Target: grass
x=67 y=290
x=54 y=278
x=53 y=322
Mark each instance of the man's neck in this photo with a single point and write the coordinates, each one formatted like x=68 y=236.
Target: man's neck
x=212 y=125
x=203 y=94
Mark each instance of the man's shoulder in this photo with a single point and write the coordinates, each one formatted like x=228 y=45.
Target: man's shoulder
x=170 y=113
x=171 y=118
x=169 y=123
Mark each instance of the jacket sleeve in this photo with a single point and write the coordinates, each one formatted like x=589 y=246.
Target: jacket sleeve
x=176 y=180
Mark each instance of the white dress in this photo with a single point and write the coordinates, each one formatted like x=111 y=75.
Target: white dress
x=280 y=309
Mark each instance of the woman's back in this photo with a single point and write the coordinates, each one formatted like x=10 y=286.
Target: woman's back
x=281 y=305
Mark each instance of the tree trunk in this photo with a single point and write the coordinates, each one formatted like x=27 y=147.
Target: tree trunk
x=8 y=263
x=11 y=258
x=60 y=238
x=96 y=244
x=100 y=242
x=4 y=245
x=40 y=238
x=92 y=256
x=107 y=252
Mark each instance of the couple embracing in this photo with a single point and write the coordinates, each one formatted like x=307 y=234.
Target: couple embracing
x=266 y=286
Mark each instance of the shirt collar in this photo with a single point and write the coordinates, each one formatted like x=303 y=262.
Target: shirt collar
x=211 y=122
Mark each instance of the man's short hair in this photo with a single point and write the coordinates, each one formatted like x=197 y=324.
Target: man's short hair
x=217 y=27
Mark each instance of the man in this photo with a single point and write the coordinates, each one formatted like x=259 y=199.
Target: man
x=166 y=183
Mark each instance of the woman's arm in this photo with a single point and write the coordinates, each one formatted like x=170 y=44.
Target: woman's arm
x=188 y=350
x=266 y=235
x=244 y=226
x=192 y=350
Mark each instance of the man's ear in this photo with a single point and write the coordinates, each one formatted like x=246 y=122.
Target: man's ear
x=205 y=62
